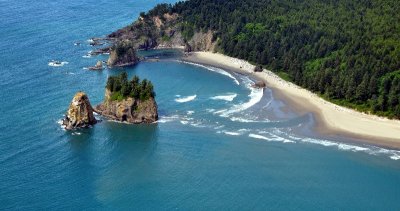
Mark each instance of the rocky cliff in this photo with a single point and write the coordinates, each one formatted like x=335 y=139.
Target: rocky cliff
x=80 y=113
x=164 y=31
x=129 y=110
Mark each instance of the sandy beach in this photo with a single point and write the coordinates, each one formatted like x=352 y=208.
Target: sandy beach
x=331 y=119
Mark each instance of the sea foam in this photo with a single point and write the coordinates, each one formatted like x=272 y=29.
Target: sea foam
x=55 y=64
x=228 y=97
x=186 y=99
x=214 y=69
x=271 y=138
x=255 y=97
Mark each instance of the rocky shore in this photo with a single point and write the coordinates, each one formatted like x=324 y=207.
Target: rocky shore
x=163 y=31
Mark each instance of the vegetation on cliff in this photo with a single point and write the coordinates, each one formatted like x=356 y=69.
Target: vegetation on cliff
x=347 y=51
x=129 y=101
x=121 y=88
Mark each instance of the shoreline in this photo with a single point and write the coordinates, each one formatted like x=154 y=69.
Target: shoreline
x=331 y=119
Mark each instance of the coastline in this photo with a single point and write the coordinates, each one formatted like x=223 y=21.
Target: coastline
x=330 y=118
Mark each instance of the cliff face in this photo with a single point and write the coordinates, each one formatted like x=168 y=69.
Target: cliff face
x=202 y=41
x=163 y=32
x=128 y=110
x=80 y=113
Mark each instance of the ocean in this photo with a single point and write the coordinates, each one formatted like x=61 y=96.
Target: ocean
x=219 y=144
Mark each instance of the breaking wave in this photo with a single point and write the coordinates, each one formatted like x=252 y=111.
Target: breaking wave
x=255 y=97
x=57 y=63
x=185 y=99
x=228 y=97
x=214 y=69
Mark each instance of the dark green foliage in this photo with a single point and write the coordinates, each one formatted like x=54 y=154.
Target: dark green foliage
x=121 y=88
x=347 y=51
x=125 y=48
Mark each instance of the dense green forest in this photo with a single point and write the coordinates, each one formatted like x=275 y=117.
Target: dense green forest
x=121 y=88
x=348 y=51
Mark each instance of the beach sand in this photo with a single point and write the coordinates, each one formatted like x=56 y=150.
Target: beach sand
x=331 y=119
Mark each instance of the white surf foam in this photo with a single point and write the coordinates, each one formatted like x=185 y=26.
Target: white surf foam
x=252 y=135
x=271 y=138
x=165 y=119
x=372 y=150
x=186 y=99
x=395 y=157
x=240 y=119
x=255 y=97
x=228 y=97
x=214 y=69
x=231 y=133
x=57 y=64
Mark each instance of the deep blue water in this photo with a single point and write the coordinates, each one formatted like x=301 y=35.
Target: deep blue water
x=218 y=145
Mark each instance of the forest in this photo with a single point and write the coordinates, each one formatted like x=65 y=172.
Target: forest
x=121 y=88
x=346 y=51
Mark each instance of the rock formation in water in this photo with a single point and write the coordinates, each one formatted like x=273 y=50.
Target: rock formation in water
x=122 y=54
x=130 y=101
x=98 y=66
x=80 y=113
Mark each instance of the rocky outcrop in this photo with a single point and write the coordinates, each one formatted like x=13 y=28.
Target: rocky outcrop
x=258 y=68
x=80 y=113
x=100 y=51
x=259 y=84
x=98 y=66
x=202 y=41
x=129 y=110
x=123 y=54
x=164 y=32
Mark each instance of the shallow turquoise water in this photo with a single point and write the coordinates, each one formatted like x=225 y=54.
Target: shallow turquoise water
x=218 y=145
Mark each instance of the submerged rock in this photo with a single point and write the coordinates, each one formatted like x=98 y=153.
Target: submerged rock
x=100 y=51
x=80 y=113
x=129 y=110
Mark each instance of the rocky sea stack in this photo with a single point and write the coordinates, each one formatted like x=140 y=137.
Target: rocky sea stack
x=80 y=113
x=122 y=54
x=129 y=101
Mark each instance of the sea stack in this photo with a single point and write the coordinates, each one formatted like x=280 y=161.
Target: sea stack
x=98 y=66
x=129 y=101
x=80 y=113
x=122 y=54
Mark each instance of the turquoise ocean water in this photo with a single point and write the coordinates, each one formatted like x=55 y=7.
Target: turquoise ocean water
x=218 y=145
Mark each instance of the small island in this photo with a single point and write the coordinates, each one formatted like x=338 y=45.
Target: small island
x=129 y=101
